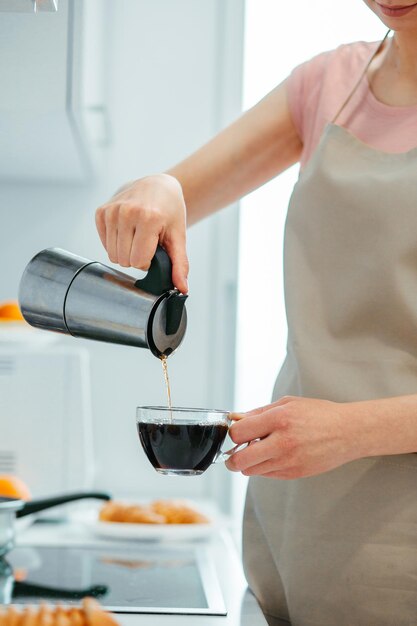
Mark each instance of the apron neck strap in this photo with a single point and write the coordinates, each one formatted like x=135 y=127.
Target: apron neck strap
x=373 y=55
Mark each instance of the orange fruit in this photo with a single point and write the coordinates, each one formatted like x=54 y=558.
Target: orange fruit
x=10 y=312
x=13 y=487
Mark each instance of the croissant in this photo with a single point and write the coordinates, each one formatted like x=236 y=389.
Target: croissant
x=90 y=614
x=177 y=512
x=130 y=514
x=157 y=512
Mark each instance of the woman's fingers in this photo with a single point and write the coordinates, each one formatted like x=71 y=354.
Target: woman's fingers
x=262 y=409
x=257 y=411
x=255 y=453
x=262 y=468
x=176 y=249
x=283 y=400
x=125 y=235
x=235 y=417
x=263 y=458
x=111 y=222
x=255 y=426
x=101 y=225
x=130 y=238
x=143 y=249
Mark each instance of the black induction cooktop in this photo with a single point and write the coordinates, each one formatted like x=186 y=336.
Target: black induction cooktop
x=153 y=578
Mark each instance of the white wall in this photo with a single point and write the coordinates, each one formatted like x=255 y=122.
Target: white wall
x=172 y=77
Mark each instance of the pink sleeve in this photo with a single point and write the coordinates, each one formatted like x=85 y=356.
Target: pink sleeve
x=303 y=89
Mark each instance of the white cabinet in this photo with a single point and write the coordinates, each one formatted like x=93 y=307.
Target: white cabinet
x=45 y=417
x=48 y=107
x=28 y=6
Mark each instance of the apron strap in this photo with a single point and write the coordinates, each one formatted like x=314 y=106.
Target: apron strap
x=373 y=55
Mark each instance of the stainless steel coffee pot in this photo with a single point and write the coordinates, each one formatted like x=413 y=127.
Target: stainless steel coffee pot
x=62 y=292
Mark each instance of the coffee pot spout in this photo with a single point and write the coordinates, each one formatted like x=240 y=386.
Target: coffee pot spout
x=175 y=311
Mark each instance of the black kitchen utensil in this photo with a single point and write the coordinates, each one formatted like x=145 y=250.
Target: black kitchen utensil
x=10 y=508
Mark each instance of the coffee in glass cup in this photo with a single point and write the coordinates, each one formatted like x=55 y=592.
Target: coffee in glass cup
x=182 y=441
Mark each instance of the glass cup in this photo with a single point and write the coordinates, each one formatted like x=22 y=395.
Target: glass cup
x=182 y=441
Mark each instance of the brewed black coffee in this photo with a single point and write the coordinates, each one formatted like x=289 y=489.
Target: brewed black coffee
x=170 y=446
x=164 y=361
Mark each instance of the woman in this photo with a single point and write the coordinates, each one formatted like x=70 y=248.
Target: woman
x=331 y=540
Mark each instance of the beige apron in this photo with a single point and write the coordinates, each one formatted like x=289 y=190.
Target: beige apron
x=340 y=549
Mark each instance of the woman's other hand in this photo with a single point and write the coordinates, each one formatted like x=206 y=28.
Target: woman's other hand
x=294 y=438
x=148 y=211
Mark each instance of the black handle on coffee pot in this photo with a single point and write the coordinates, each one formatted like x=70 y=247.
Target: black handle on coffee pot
x=158 y=280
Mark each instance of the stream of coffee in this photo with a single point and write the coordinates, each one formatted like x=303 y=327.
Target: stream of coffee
x=164 y=361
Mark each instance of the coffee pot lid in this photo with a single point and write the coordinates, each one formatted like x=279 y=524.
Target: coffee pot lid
x=167 y=324
x=168 y=321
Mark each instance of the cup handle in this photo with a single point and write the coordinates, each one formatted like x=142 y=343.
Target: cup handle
x=223 y=456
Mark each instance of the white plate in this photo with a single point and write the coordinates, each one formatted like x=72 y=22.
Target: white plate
x=141 y=532
x=179 y=532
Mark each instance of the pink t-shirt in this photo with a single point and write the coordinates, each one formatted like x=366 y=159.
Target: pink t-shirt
x=318 y=88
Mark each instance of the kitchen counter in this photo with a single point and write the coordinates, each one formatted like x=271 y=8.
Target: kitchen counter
x=242 y=607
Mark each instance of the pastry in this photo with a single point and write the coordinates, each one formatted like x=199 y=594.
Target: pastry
x=131 y=514
x=157 y=512
x=90 y=614
x=178 y=512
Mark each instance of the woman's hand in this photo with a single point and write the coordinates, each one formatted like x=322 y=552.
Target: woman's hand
x=148 y=211
x=298 y=437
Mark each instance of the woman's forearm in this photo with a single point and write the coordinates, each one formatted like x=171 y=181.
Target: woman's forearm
x=254 y=149
x=157 y=209
x=385 y=426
